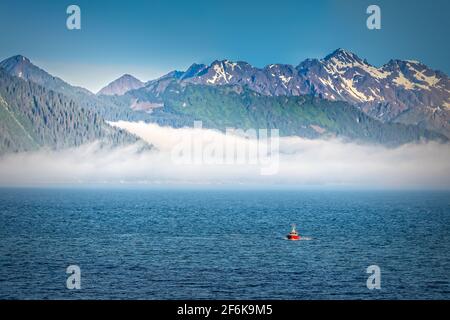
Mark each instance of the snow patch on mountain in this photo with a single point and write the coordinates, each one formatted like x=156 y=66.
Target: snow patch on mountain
x=219 y=74
x=401 y=80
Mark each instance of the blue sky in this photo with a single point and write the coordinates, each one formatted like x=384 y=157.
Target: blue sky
x=150 y=38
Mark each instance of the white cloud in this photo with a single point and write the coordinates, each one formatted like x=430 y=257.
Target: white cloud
x=302 y=162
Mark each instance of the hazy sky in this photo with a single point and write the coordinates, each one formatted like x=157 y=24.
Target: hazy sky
x=150 y=38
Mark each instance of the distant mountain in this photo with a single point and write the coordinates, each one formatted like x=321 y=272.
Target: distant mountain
x=121 y=85
x=33 y=117
x=111 y=108
x=399 y=91
x=22 y=67
x=220 y=107
x=340 y=95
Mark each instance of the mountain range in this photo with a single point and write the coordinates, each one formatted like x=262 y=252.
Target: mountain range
x=405 y=92
x=340 y=95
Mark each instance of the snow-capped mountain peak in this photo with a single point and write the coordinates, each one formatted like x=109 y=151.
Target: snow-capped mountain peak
x=343 y=56
x=396 y=89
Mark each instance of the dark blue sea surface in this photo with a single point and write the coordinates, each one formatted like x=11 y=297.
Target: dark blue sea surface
x=220 y=244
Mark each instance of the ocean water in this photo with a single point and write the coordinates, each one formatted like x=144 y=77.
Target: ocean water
x=199 y=244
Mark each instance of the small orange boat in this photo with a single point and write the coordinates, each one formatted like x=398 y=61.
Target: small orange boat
x=293 y=235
